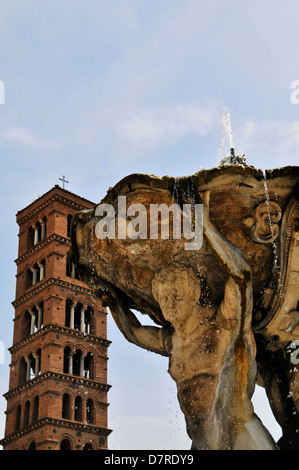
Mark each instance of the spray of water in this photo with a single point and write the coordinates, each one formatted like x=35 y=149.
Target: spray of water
x=228 y=129
x=227 y=134
x=227 y=138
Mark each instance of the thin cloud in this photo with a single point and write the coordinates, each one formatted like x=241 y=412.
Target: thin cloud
x=85 y=136
x=275 y=143
x=22 y=136
x=152 y=127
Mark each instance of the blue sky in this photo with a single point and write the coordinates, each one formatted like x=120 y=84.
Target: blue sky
x=96 y=90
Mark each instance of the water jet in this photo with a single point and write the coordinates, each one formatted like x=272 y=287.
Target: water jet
x=225 y=313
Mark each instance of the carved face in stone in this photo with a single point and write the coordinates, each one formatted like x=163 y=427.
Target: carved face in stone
x=237 y=199
x=171 y=287
x=215 y=373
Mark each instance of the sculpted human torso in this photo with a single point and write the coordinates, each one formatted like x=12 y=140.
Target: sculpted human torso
x=210 y=348
x=217 y=342
x=201 y=356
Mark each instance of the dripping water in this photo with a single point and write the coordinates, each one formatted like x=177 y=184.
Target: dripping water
x=175 y=191
x=267 y=199
x=275 y=261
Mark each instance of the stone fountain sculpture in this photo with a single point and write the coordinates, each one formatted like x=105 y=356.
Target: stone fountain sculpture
x=225 y=309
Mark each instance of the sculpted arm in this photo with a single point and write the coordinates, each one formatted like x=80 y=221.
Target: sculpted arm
x=147 y=337
x=229 y=255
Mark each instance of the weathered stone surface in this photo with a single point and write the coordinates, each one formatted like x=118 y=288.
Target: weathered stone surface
x=224 y=311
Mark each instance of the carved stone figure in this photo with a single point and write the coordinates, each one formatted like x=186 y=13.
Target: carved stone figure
x=226 y=310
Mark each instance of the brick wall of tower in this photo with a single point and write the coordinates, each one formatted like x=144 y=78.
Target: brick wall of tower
x=52 y=341
x=49 y=291
x=60 y=331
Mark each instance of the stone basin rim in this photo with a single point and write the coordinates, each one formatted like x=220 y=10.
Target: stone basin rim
x=199 y=178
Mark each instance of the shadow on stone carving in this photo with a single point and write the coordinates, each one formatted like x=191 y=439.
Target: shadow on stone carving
x=226 y=311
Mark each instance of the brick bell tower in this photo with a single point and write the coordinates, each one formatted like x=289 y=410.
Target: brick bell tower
x=57 y=397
